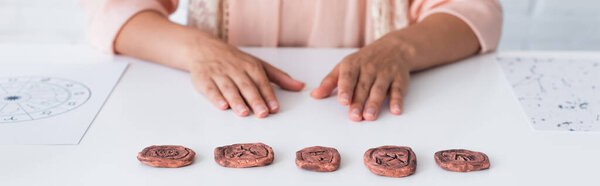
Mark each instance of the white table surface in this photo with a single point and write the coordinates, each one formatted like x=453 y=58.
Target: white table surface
x=463 y=105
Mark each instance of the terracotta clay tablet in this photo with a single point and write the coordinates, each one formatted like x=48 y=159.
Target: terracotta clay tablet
x=317 y=158
x=392 y=161
x=460 y=160
x=171 y=156
x=244 y=155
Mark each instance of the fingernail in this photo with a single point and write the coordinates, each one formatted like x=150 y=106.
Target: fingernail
x=241 y=109
x=222 y=104
x=315 y=93
x=370 y=113
x=356 y=113
x=261 y=110
x=273 y=105
x=396 y=109
x=345 y=98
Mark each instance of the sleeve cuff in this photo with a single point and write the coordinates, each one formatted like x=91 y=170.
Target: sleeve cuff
x=110 y=18
x=484 y=17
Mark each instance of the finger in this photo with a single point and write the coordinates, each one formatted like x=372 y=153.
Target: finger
x=327 y=85
x=231 y=92
x=208 y=88
x=266 y=90
x=282 y=79
x=251 y=94
x=397 y=91
x=363 y=87
x=377 y=94
x=348 y=75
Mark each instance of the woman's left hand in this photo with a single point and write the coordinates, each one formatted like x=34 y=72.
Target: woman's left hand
x=366 y=77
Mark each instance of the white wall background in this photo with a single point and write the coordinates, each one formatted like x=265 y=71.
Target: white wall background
x=528 y=25
x=551 y=25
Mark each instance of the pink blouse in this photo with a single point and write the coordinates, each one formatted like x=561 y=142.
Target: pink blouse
x=305 y=23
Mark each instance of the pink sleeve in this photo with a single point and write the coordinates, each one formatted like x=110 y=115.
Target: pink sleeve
x=104 y=18
x=483 y=16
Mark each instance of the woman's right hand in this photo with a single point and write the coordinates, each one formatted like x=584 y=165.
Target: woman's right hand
x=231 y=78
x=227 y=76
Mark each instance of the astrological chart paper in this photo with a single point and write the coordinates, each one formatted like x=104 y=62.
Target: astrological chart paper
x=53 y=104
x=556 y=93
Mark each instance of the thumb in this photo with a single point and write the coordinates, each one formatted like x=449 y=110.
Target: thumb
x=282 y=79
x=327 y=86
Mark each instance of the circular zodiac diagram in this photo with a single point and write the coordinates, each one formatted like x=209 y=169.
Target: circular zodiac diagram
x=32 y=98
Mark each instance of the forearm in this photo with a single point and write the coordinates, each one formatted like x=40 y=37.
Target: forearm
x=438 y=39
x=152 y=37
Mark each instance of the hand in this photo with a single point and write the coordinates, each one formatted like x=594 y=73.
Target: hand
x=365 y=78
x=220 y=71
x=233 y=79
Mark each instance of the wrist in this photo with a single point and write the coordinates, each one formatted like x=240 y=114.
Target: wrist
x=198 y=46
x=403 y=47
